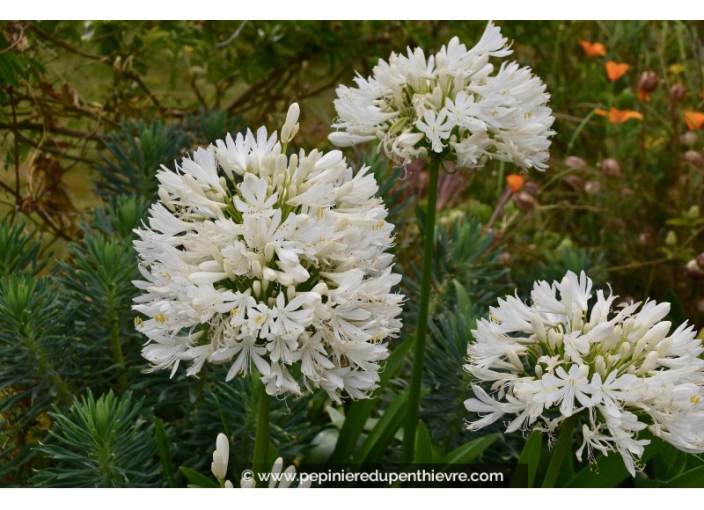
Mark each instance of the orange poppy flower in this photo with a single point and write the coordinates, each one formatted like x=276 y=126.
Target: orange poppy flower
x=617 y=116
x=515 y=182
x=694 y=120
x=614 y=70
x=593 y=49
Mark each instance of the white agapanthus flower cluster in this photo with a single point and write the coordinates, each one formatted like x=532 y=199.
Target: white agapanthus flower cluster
x=620 y=368
x=255 y=257
x=449 y=106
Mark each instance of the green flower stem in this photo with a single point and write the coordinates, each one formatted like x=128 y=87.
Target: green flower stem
x=564 y=442
x=261 y=440
x=409 y=431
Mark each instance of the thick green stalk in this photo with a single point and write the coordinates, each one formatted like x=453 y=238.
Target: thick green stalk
x=409 y=431
x=562 y=447
x=261 y=440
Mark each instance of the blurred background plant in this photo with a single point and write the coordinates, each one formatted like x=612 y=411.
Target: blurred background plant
x=90 y=110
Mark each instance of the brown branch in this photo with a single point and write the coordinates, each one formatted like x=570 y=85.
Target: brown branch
x=143 y=86
x=74 y=133
x=196 y=90
x=47 y=219
x=66 y=46
x=56 y=152
x=331 y=83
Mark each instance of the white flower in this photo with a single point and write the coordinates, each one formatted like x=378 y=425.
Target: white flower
x=251 y=257
x=452 y=95
x=621 y=370
x=221 y=457
x=436 y=128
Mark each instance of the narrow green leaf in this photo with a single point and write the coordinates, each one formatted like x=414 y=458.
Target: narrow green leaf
x=198 y=480
x=531 y=455
x=273 y=453
x=374 y=446
x=360 y=411
x=470 y=451
x=162 y=446
x=424 y=446
x=692 y=479
x=463 y=301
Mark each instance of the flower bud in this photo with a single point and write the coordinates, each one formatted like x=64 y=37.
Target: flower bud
x=651 y=361
x=694 y=270
x=290 y=127
x=648 y=81
x=611 y=168
x=700 y=260
x=689 y=138
x=531 y=187
x=592 y=187
x=506 y=258
x=524 y=201
x=694 y=158
x=576 y=163
x=677 y=92
x=671 y=238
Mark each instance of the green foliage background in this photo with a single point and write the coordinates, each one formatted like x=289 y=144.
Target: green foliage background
x=90 y=110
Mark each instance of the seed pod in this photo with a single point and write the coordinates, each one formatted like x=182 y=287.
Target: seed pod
x=689 y=138
x=576 y=163
x=592 y=187
x=531 y=187
x=700 y=260
x=677 y=92
x=694 y=270
x=648 y=81
x=645 y=239
x=524 y=201
x=506 y=258
x=611 y=168
x=694 y=158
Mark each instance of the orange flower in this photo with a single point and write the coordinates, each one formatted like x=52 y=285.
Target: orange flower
x=515 y=182
x=617 y=116
x=643 y=95
x=694 y=120
x=615 y=70
x=593 y=49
